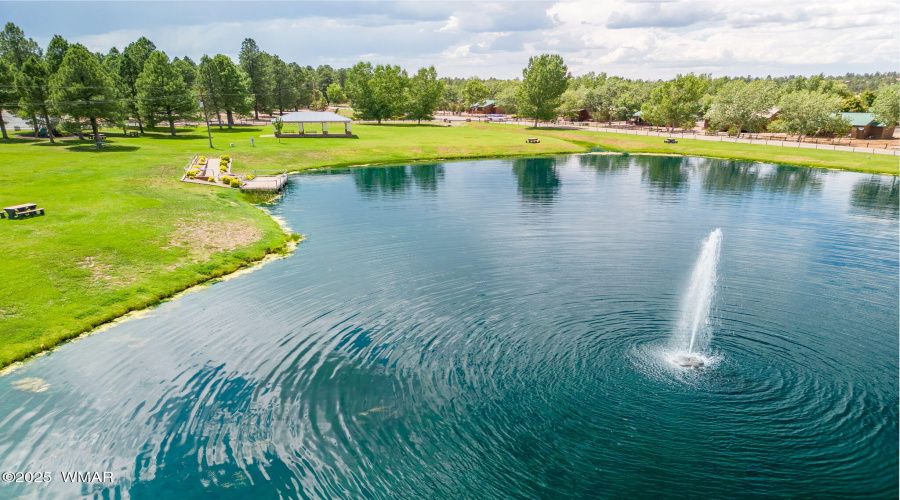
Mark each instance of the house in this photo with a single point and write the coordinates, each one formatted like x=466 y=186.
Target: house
x=637 y=119
x=488 y=107
x=864 y=126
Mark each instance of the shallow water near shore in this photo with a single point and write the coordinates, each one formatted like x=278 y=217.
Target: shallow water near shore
x=501 y=329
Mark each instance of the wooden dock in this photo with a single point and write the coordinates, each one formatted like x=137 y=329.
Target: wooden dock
x=266 y=182
x=258 y=180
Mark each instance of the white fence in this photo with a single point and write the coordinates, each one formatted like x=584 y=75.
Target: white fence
x=766 y=142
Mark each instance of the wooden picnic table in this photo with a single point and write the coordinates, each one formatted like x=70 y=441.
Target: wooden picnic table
x=23 y=210
x=532 y=140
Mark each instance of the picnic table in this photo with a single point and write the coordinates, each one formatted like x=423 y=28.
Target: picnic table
x=21 y=211
x=532 y=140
x=132 y=134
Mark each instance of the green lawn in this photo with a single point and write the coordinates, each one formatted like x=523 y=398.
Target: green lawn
x=121 y=233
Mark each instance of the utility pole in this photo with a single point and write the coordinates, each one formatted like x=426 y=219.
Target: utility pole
x=206 y=116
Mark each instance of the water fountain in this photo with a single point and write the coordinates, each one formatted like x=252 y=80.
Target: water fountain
x=694 y=331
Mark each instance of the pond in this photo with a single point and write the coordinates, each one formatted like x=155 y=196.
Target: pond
x=498 y=329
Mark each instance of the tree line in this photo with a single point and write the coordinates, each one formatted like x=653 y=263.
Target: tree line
x=66 y=87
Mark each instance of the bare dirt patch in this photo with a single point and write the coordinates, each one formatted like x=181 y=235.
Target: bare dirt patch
x=201 y=238
x=102 y=272
x=450 y=151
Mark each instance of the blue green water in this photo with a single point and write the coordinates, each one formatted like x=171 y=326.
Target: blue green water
x=498 y=329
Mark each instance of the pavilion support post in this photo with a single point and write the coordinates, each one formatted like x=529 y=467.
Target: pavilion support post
x=324 y=128
x=301 y=128
x=347 y=129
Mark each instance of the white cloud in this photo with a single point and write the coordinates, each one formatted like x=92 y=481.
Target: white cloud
x=452 y=25
x=638 y=38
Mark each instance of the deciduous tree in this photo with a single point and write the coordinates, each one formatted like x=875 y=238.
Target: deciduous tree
x=475 y=92
x=377 y=93
x=807 y=112
x=335 y=93
x=424 y=94
x=742 y=106
x=676 y=103
x=543 y=83
x=887 y=105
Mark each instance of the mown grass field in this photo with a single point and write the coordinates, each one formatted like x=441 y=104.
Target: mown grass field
x=121 y=232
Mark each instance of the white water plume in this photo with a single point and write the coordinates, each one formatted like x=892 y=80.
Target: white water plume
x=694 y=329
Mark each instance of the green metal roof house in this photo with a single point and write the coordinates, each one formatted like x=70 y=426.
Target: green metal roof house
x=864 y=126
x=486 y=107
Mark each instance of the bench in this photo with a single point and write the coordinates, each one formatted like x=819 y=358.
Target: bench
x=102 y=144
x=28 y=213
x=533 y=140
x=132 y=134
x=22 y=211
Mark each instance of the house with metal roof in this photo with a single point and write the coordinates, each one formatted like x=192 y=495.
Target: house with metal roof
x=486 y=107
x=864 y=126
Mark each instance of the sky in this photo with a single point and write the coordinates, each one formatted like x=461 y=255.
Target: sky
x=649 y=39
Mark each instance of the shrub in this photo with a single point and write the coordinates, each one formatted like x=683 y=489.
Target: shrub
x=236 y=183
x=222 y=168
x=192 y=173
x=733 y=131
x=250 y=177
x=201 y=160
x=225 y=158
x=226 y=179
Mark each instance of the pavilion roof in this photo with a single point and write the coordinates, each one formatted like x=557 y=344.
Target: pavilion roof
x=312 y=117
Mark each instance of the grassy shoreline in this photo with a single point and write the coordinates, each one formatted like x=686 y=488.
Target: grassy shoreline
x=121 y=234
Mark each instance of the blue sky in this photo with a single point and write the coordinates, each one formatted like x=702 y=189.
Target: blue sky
x=634 y=38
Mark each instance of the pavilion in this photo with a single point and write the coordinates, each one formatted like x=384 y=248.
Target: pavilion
x=319 y=117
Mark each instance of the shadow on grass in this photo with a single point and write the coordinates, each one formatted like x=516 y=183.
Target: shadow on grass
x=557 y=127
x=178 y=137
x=21 y=140
x=238 y=129
x=293 y=137
x=113 y=148
x=405 y=125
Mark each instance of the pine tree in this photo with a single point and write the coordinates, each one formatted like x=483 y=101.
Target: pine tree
x=82 y=89
x=33 y=85
x=15 y=48
x=225 y=87
x=9 y=95
x=56 y=51
x=162 y=91
x=255 y=64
